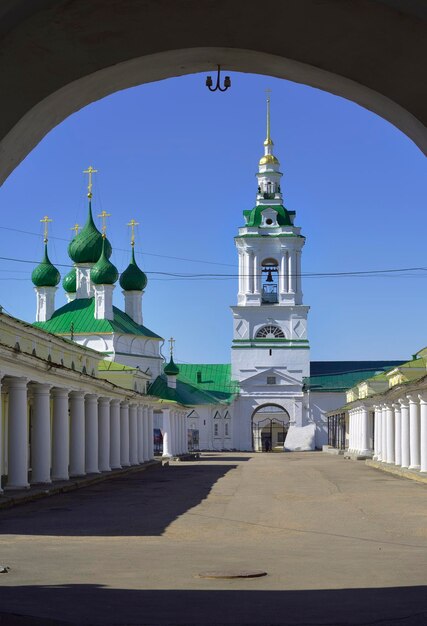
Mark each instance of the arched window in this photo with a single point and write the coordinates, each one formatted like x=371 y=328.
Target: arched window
x=270 y=332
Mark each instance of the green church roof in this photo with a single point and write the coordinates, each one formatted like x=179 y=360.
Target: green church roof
x=45 y=274
x=198 y=384
x=86 y=247
x=81 y=314
x=254 y=217
x=133 y=278
x=69 y=282
x=104 y=272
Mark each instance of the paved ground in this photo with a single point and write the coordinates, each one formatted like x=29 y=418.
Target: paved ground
x=342 y=544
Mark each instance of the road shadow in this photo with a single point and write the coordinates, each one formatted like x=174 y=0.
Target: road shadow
x=96 y=605
x=138 y=504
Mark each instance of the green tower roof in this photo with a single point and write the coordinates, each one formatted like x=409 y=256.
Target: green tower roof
x=171 y=369
x=133 y=278
x=104 y=272
x=45 y=274
x=69 y=282
x=86 y=247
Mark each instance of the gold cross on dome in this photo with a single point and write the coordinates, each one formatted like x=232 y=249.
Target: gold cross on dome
x=46 y=221
x=103 y=217
x=171 y=343
x=76 y=228
x=132 y=225
x=90 y=170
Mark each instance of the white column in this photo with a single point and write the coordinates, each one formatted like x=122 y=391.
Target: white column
x=40 y=434
x=140 y=417
x=150 y=433
x=145 y=425
x=115 y=434
x=241 y=272
x=423 y=432
x=17 y=435
x=414 y=432
x=405 y=456
x=390 y=433
x=379 y=431
x=167 y=433
x=282 y=273
x=256 y=275
x=364 y=431
x=133 y=434
x=397 y=434
x=77 y=434
x=384 y=434
x=60 y=434
x=375 y=424
x=91 y=434
x=104 y=434
x=290 y=272
x=250 y=272
x=124 y=434
x=185 y=442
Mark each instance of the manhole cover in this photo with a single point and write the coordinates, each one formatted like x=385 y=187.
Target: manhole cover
x=252 y=573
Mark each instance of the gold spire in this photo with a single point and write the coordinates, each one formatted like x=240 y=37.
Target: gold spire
x=171 y=344
x=90 y=170
x=45 y=221
x=132 y=225
x=76 y=229
x=268 y=141
x=103 y=217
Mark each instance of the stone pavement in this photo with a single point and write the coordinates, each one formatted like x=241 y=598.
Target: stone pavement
x=342 y=544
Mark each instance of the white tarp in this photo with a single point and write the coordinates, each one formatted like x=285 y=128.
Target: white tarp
x=300 y=438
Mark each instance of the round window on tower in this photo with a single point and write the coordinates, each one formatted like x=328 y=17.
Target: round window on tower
x=270 y=332
x=269 y=221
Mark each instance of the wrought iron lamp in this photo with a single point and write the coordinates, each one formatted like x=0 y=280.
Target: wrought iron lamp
x=209 y=83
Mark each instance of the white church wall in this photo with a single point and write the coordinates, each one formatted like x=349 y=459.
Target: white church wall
x=318 y=404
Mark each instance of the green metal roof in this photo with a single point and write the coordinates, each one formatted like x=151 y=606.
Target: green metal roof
x=171 y=369
x=69 y=282
x=81 y=313
x=198 y=384
x=254 y=217
x=340 y=376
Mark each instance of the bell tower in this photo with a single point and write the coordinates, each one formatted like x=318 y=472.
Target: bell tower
x=270 y=321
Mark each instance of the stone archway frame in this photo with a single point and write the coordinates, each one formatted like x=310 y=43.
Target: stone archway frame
x=56 y=107
x=263 y=406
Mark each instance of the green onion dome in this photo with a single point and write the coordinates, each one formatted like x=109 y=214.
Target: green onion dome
x=45 y=274
x=104 y=272
x=171 y=369
x=86 y=247
x=133 y=278
x=69 y=282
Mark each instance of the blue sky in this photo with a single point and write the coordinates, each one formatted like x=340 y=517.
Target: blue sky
x=182 y=162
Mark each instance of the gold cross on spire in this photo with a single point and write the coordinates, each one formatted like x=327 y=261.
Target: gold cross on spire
x=76 y=229
x=46 y=221
x=268 y=92
x=90 y=170
x=103 y=217
x=132 y=225
x=171 y=343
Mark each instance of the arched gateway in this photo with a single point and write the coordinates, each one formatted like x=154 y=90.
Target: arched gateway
x=270 y=424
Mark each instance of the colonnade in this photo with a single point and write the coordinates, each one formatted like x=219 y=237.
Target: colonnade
x=399 y=433
x=68 y=433
x=175 y=437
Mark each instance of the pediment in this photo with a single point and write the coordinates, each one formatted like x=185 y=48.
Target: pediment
x=282 y=376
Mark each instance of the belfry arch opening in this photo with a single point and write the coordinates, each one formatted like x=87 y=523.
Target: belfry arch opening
x=270 y=425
